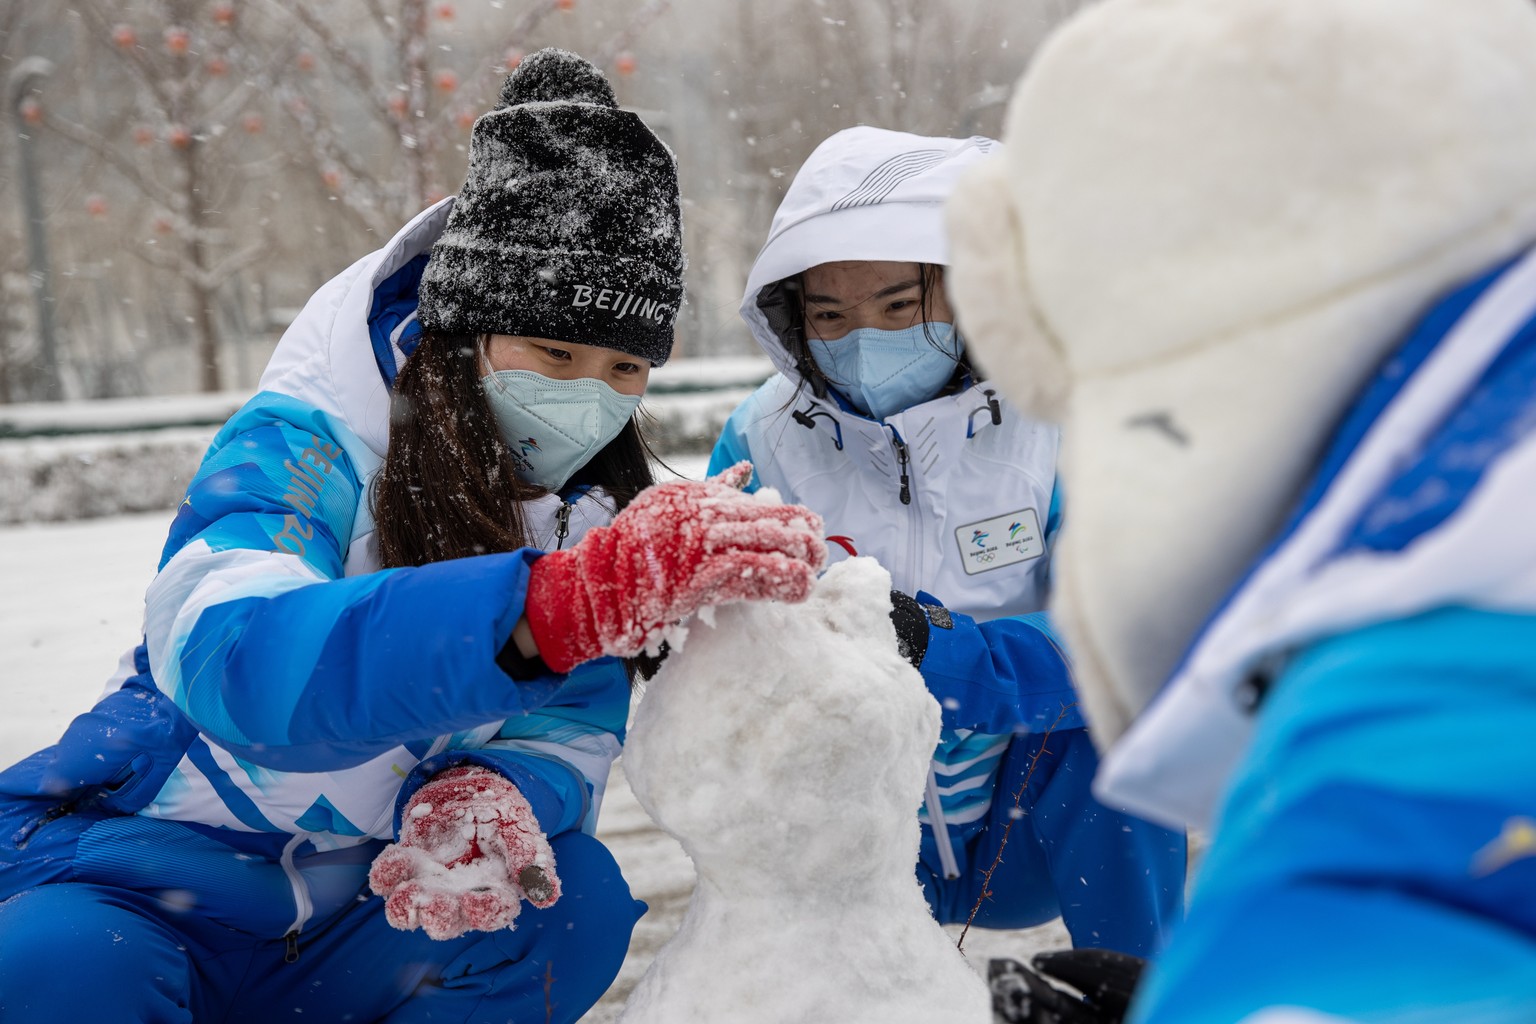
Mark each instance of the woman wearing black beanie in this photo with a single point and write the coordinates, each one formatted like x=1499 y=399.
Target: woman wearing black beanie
x=382 y=654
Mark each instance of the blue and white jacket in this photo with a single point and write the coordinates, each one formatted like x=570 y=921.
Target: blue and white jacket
x=289 y=696
x=1425 y=500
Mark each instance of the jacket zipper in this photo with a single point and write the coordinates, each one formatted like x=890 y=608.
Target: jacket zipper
x=941 y=837
x=301 y=901
x=916 y=535
x=24 y=834
x=902 y=461
x=562 y=524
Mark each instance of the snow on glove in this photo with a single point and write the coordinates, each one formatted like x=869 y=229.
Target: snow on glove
x=677 y=548
x=469 y=852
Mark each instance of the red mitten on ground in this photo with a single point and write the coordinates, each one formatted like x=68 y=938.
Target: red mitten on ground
x=469 y=852
x=677 y=548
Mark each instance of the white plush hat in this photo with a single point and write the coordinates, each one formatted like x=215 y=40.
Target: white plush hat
x=1209 y=221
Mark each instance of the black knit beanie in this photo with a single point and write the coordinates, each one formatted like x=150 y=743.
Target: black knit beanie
x=569 y=224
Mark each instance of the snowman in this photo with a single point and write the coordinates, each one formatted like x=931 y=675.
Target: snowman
x=786 y=748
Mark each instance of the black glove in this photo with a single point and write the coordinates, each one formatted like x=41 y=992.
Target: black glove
x=912 y=617
x=1027 y=995
x=911 y=627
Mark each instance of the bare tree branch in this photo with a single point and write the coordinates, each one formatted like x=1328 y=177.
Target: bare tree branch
x=379 y=15
x=638 y=23
x=148 y=75
x=524 y=26
x=338 y=51
x=112 y=155
x=157 y=257
x=317 y=131
x=225 y=268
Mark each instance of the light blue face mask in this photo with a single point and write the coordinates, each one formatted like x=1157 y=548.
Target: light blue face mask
x=884 y=372
x=554 y=426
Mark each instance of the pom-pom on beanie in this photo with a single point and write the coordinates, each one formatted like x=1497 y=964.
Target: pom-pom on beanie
x=569 y=224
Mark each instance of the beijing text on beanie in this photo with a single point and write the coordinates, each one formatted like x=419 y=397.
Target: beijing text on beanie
x=569 y=224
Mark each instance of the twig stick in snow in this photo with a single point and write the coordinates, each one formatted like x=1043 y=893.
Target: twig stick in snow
x=1019 y=812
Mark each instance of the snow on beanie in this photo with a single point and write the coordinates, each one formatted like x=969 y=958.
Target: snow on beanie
x=569 y=224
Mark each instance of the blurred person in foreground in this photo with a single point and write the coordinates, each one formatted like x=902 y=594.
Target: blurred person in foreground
x=1269 y=263
x=371 y=718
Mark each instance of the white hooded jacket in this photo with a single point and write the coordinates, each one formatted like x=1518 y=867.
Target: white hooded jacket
x=955 y=496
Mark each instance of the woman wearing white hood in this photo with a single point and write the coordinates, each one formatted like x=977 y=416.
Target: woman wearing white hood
x=878 y=421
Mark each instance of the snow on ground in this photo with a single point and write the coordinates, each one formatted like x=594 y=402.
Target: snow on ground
x=72 y=602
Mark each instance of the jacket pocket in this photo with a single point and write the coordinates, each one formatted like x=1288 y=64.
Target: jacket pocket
x=39 y=831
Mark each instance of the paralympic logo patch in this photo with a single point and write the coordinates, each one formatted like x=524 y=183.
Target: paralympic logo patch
x=1000 y=541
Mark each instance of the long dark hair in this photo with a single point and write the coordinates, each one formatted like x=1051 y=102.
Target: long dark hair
x=784 y=305
x=448 y=488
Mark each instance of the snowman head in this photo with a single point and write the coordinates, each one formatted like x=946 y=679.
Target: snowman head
x=790 y=743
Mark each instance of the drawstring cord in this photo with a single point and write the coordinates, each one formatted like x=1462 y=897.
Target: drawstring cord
x=807 y=419
x=992 y=407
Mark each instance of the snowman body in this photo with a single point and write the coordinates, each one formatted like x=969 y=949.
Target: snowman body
x=786 y=748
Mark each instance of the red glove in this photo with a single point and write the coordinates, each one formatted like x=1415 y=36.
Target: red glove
x=677 y=548
x=469 y=852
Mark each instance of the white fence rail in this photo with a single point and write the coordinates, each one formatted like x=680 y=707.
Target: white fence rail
x=79 y=460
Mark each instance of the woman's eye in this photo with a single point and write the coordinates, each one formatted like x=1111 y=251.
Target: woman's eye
x=901 y=304
x=628 y=368
x=557 y=353
x=827 y=315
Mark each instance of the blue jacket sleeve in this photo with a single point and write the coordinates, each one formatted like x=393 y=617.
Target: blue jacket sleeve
x=999 y=676
x=256 y=635
x=559 y=799
x=559 y=756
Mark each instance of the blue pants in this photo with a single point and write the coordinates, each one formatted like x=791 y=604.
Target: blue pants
x=1116 y=881
x=1375 y=856
x=74 y=952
